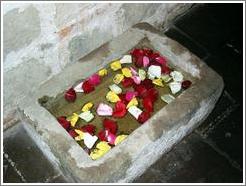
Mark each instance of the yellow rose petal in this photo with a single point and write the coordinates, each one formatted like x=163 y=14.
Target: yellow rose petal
x=87 y=107
x=119 y=139
x=126 y=72
x=133 y=102
x=118 y=78
x=116 y=65
x=80 y=135
x=112 y=97
x=101 y=149
x=103 y=72
x=73 y=119
x=158 y=82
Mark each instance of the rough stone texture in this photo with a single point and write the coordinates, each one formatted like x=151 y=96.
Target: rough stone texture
x=58 y=35
x=146 y=144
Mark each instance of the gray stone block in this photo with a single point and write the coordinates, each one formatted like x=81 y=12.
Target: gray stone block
x=147 y=143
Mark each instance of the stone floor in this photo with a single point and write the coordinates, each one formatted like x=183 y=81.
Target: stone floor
x=214 y=151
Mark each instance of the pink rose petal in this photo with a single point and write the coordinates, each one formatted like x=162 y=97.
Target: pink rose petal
x=104 y=110
x=145 y=61
x=110 y=137
x=94 y=79
x=136 y=79
x=133 y=71
x=130 y=95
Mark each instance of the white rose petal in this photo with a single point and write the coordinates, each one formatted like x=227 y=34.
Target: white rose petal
x=126 y=59
x=87 y=116
x=166 y=78
x=78 y=88
x=168 y=98
x=154 y=71
x=177 y=76
x=175 y=87
x=89 y=140
x=142 y=74
x=135 y=111
x=115 y=88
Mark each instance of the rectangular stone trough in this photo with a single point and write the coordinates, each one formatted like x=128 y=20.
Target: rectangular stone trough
x=147 y=143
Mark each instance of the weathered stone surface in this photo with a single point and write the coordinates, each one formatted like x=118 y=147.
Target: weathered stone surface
x=147 y=143
x=20 y=28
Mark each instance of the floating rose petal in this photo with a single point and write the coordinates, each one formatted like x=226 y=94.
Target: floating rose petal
x=145 y=61
x=144 y=116
x=102 y=136
x=126 y=72
x=148 y=104
x=142 y=74
x=136 y=79
x=80 y=135
x=78 y=88
x=127 y=82
x=120 y=138
x=89 y=140
x=133 y=102
x=112 y=97
x=158 y=82
x=89 y=128
x=154 y=71
x=72 y=133
x=115 y=88
x=148 y=52
x=94 y=79
x=161 y=60
x=152 y=94
x=87 y=107
x=116 y=65
x=101 y=149
x=147 y=83
x=168 y=98
x=130 y=95
x=73 y=119
x=126 y=59
x=186 y=84
x=122 y=97
x=70 y=95
x=110 y=125
x=110 y=137
x=119 y=110
x=103 y=72
x=139 y=61
x=153 y=56
x=141 y=90
x=175 y=87
x=135 y=111
x=104 y=110
x=118 y=78
x=134 y=72
x=166 y=78
x=137 y=52
x=86 y=116
x=64 y=123
x=87 y=87
x=165 y=69
x=177 y=76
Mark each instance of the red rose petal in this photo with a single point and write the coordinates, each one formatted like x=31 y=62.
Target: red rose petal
x=165 y=69
x=161 y=60
x=147 y=83
x=153 y=56
x=147 y=52
x=186 y=84
x=144 y=116
x=122 y=97
x=127 y=82
x=138 y=61
x=94 y=79
x=119 y=110
x=72 y=133
x=141 y=90
x=64 y=123
x=87 y=87
x=148 y=104
x=70 y=95
x=137 y=52
x=102 y=135
x=89 y=128
x=110 y=125
x=152 y=94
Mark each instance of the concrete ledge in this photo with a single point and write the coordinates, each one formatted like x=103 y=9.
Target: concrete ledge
x=147 y=143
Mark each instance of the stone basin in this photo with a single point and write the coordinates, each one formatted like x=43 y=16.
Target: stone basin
x=148 y=142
